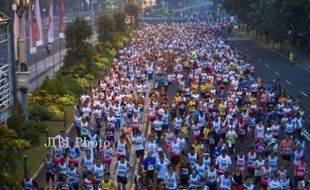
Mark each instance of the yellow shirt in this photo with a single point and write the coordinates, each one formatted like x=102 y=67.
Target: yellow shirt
x=203 y=88
x=177 y=99
x=106 y=185
x=197 y=148
x=194 y=86
x=253 y=99
x=222 y=109
x=184 y=129
x=208 y=85
x=206 y=132
x=186 y=63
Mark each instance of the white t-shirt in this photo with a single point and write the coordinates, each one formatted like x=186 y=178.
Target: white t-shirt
x=223 y=162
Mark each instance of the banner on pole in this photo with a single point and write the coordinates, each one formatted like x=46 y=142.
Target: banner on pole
x=50 y=22
x=16 y=34
x=62 y=19
x=32 y=32
x=38 y=24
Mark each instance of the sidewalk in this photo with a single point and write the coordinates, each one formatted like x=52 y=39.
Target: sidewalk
x=47 y=67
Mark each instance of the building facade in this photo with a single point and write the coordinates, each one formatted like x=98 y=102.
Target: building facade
x=6 y=73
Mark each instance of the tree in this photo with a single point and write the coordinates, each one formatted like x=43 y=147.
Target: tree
x=77 y=33
x=132 y=9
x=10 y=147
x=279 y=19
x=105 y=28
x=119 y=21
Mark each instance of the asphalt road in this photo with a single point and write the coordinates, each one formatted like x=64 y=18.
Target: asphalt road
x=270 y=65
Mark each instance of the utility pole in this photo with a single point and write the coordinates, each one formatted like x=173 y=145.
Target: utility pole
x=21 y=6
x=92 y=13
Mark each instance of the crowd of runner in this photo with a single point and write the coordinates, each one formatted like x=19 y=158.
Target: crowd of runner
x=211 y=122
x=223 y=128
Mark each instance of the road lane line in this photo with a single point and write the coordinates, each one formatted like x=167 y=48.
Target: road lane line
x=276 y=52
x=303 y=93
x=288 y=82
x=275 y=72
x=259 y=59
x=267 y=65
x=306 y=134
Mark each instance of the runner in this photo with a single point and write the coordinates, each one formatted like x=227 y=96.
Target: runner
x=122 y=167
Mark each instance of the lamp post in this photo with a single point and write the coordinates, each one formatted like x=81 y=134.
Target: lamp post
x=20 y=7
x=65 y=117
x=46 y=135
x=25 y=165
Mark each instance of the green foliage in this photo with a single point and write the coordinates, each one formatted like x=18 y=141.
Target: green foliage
x=119 y=22
x=66 y=100
x=30 y=132
x=105 y=28
x=275 y=18
x=71 y=86
x=83 y=82
x=132 y=9
x=61 y=86
x=10 y=147
x=77 y=33
x=39 y=112
x=56 y=112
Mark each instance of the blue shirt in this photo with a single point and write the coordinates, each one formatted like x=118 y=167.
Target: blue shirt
x=149 y=163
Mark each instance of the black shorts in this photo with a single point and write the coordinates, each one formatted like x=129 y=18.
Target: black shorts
x=287 y=158
x=184 y=181
x=175 y=160
x=140 y=153
x=122 y=180
x=159 y=180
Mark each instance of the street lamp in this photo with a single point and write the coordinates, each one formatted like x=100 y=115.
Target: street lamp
x=65 y=117
x=46 y=135
x=25 y=165
x=20 y=7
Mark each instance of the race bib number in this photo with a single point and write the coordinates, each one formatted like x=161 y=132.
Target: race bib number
x=150 y=167
x=211 y=141
x=224 y=164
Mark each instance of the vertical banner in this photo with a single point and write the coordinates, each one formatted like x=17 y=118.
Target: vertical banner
x=62 y=19
x=32 y=32
x=50 y=22
x=38 y=23
x=16 y=34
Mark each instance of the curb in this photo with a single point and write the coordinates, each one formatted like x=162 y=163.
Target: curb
x=41 y=167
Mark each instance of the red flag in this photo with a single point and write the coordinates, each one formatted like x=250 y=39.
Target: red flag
x=38 y=24
x=62 y=19
x=50 y=22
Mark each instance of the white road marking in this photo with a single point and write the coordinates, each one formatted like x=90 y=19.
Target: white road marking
x=288 y=82
x=259 y=59
x=276 y=52
x=275 y=72
x=303 y=93
x=267 y=65
x=306 y=134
